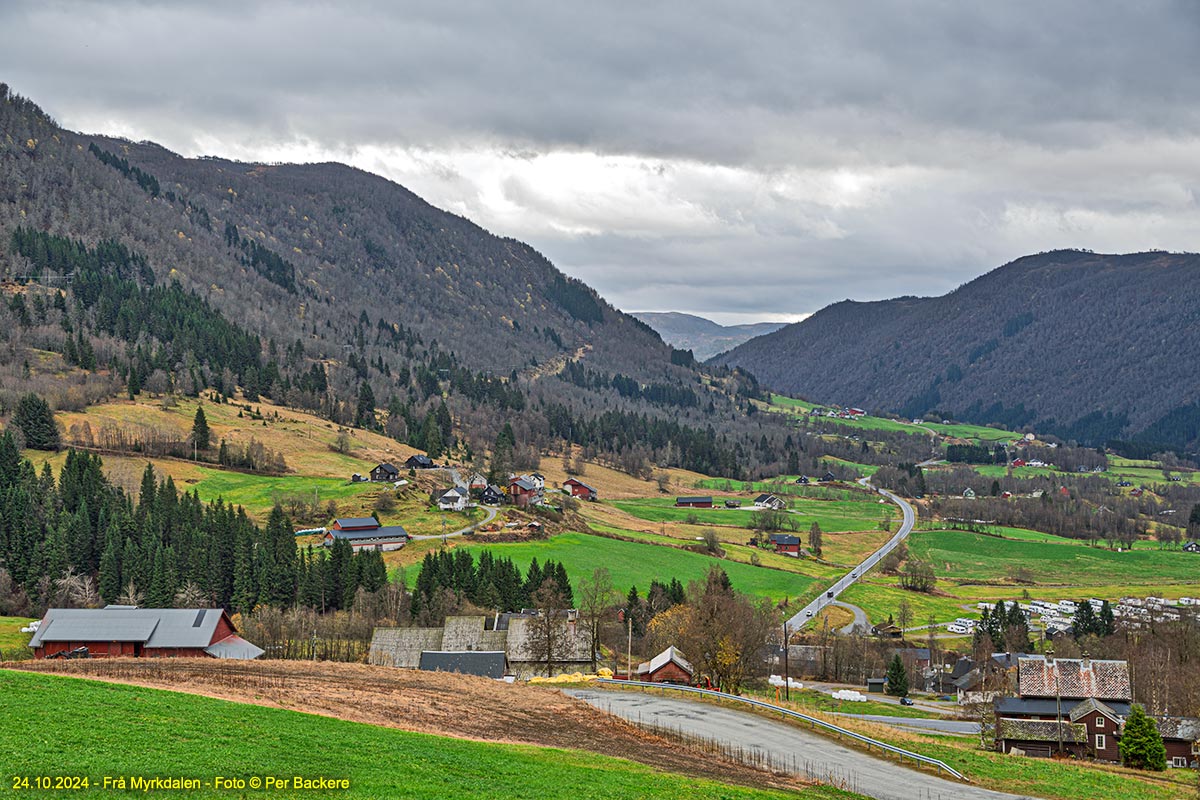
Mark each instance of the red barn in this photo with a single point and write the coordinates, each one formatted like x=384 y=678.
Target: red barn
x=693 y=502
x=579 y=489
x=523 y=491
x=669 y=666
x=141 y=633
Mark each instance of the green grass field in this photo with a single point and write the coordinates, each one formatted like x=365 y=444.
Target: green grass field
x=833 y=515
x=783 y=485
x=13 y=643
x=979 y=433
x=133 y=731
x=257 y=492
x=963 y=556
x=636 y=564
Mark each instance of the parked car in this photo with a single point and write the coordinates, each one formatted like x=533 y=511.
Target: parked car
x=906 y=701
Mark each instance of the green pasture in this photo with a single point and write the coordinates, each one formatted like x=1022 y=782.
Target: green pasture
x=636 y=564
x=833 y=515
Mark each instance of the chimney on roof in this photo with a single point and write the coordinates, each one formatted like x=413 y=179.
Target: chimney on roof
x=1085 y=662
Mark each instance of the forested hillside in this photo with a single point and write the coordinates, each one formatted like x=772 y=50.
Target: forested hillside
x=128 y=268
x=1087 y=346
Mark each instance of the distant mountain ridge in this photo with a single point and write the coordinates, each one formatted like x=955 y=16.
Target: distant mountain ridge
x=702 y=336
x=1092 y=347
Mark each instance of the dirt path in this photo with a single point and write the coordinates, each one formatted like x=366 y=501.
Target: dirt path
x=439 y=703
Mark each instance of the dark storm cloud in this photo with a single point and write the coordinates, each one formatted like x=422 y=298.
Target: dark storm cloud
x=822 y=149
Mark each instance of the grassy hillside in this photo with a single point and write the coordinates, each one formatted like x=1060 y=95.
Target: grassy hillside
x=636 y=564
x=133 y=731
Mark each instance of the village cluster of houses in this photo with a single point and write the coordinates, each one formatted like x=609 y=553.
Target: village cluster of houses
x=522 y=491
x=1040 y=700
x=838 y=413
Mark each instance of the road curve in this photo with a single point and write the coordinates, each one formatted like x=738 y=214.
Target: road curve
x=792 y=747
x=860 y=618
x=806 y=614
x=491 y=515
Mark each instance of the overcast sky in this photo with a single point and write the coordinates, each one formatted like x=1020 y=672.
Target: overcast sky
x=743 y=161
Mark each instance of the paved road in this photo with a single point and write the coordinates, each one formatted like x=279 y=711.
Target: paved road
x=940 y=725
x=860 y=618
x=491 y=515
x=887 y=699
x=797 y=749
x=806 y=614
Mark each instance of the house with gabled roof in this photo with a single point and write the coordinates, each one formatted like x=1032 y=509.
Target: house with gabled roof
x=385 y=472
x=455 y=499
x=769 y=501
x=669 y=666
x=419 y=461
x=522 y=491
x=579 y=490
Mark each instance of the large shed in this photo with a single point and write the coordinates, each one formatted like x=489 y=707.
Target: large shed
x=141 y=632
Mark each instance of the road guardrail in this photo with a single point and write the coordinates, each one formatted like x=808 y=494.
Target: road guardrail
x=941 y=766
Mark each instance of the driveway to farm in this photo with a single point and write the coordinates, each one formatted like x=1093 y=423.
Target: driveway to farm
x=801 y=751
x=806 y=614
x=860 y=618
x=491 y=515
x=940 y=725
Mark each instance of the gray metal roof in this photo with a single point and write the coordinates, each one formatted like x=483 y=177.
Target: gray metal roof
x=488 y=664
x=356 y=522
x=388 y=532
x=234 y=647
x=153 y=627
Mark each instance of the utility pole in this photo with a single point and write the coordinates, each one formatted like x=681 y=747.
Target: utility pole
x=1057 y=698
x=787 y=679
x=629 y=651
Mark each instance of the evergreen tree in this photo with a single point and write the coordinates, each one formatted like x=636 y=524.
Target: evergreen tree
x=36 y=421
x=364 y=415
x=1141 y=743
x=814 y=539
x=200 y=433
x=110 y=569
x=897 y=678
x=1107 y=621
x=1086 y=621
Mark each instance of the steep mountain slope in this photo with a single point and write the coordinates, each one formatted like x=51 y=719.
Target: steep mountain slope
x=703 y=337
x=1092 y=346
x=328 y=289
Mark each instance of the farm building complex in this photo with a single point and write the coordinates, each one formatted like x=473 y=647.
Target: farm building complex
x=516 y=636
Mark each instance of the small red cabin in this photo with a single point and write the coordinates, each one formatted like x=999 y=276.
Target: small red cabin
x=669 y=666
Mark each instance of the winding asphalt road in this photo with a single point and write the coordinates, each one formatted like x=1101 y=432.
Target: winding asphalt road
x=789 y=747
x=491 y=515
x=806 y=614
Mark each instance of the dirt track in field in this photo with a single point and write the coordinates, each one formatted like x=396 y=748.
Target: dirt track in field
x=438 y=703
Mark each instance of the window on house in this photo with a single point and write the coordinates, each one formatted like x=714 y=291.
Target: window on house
x=1099 y=741
x=1099 y=722
x=1178 y=761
